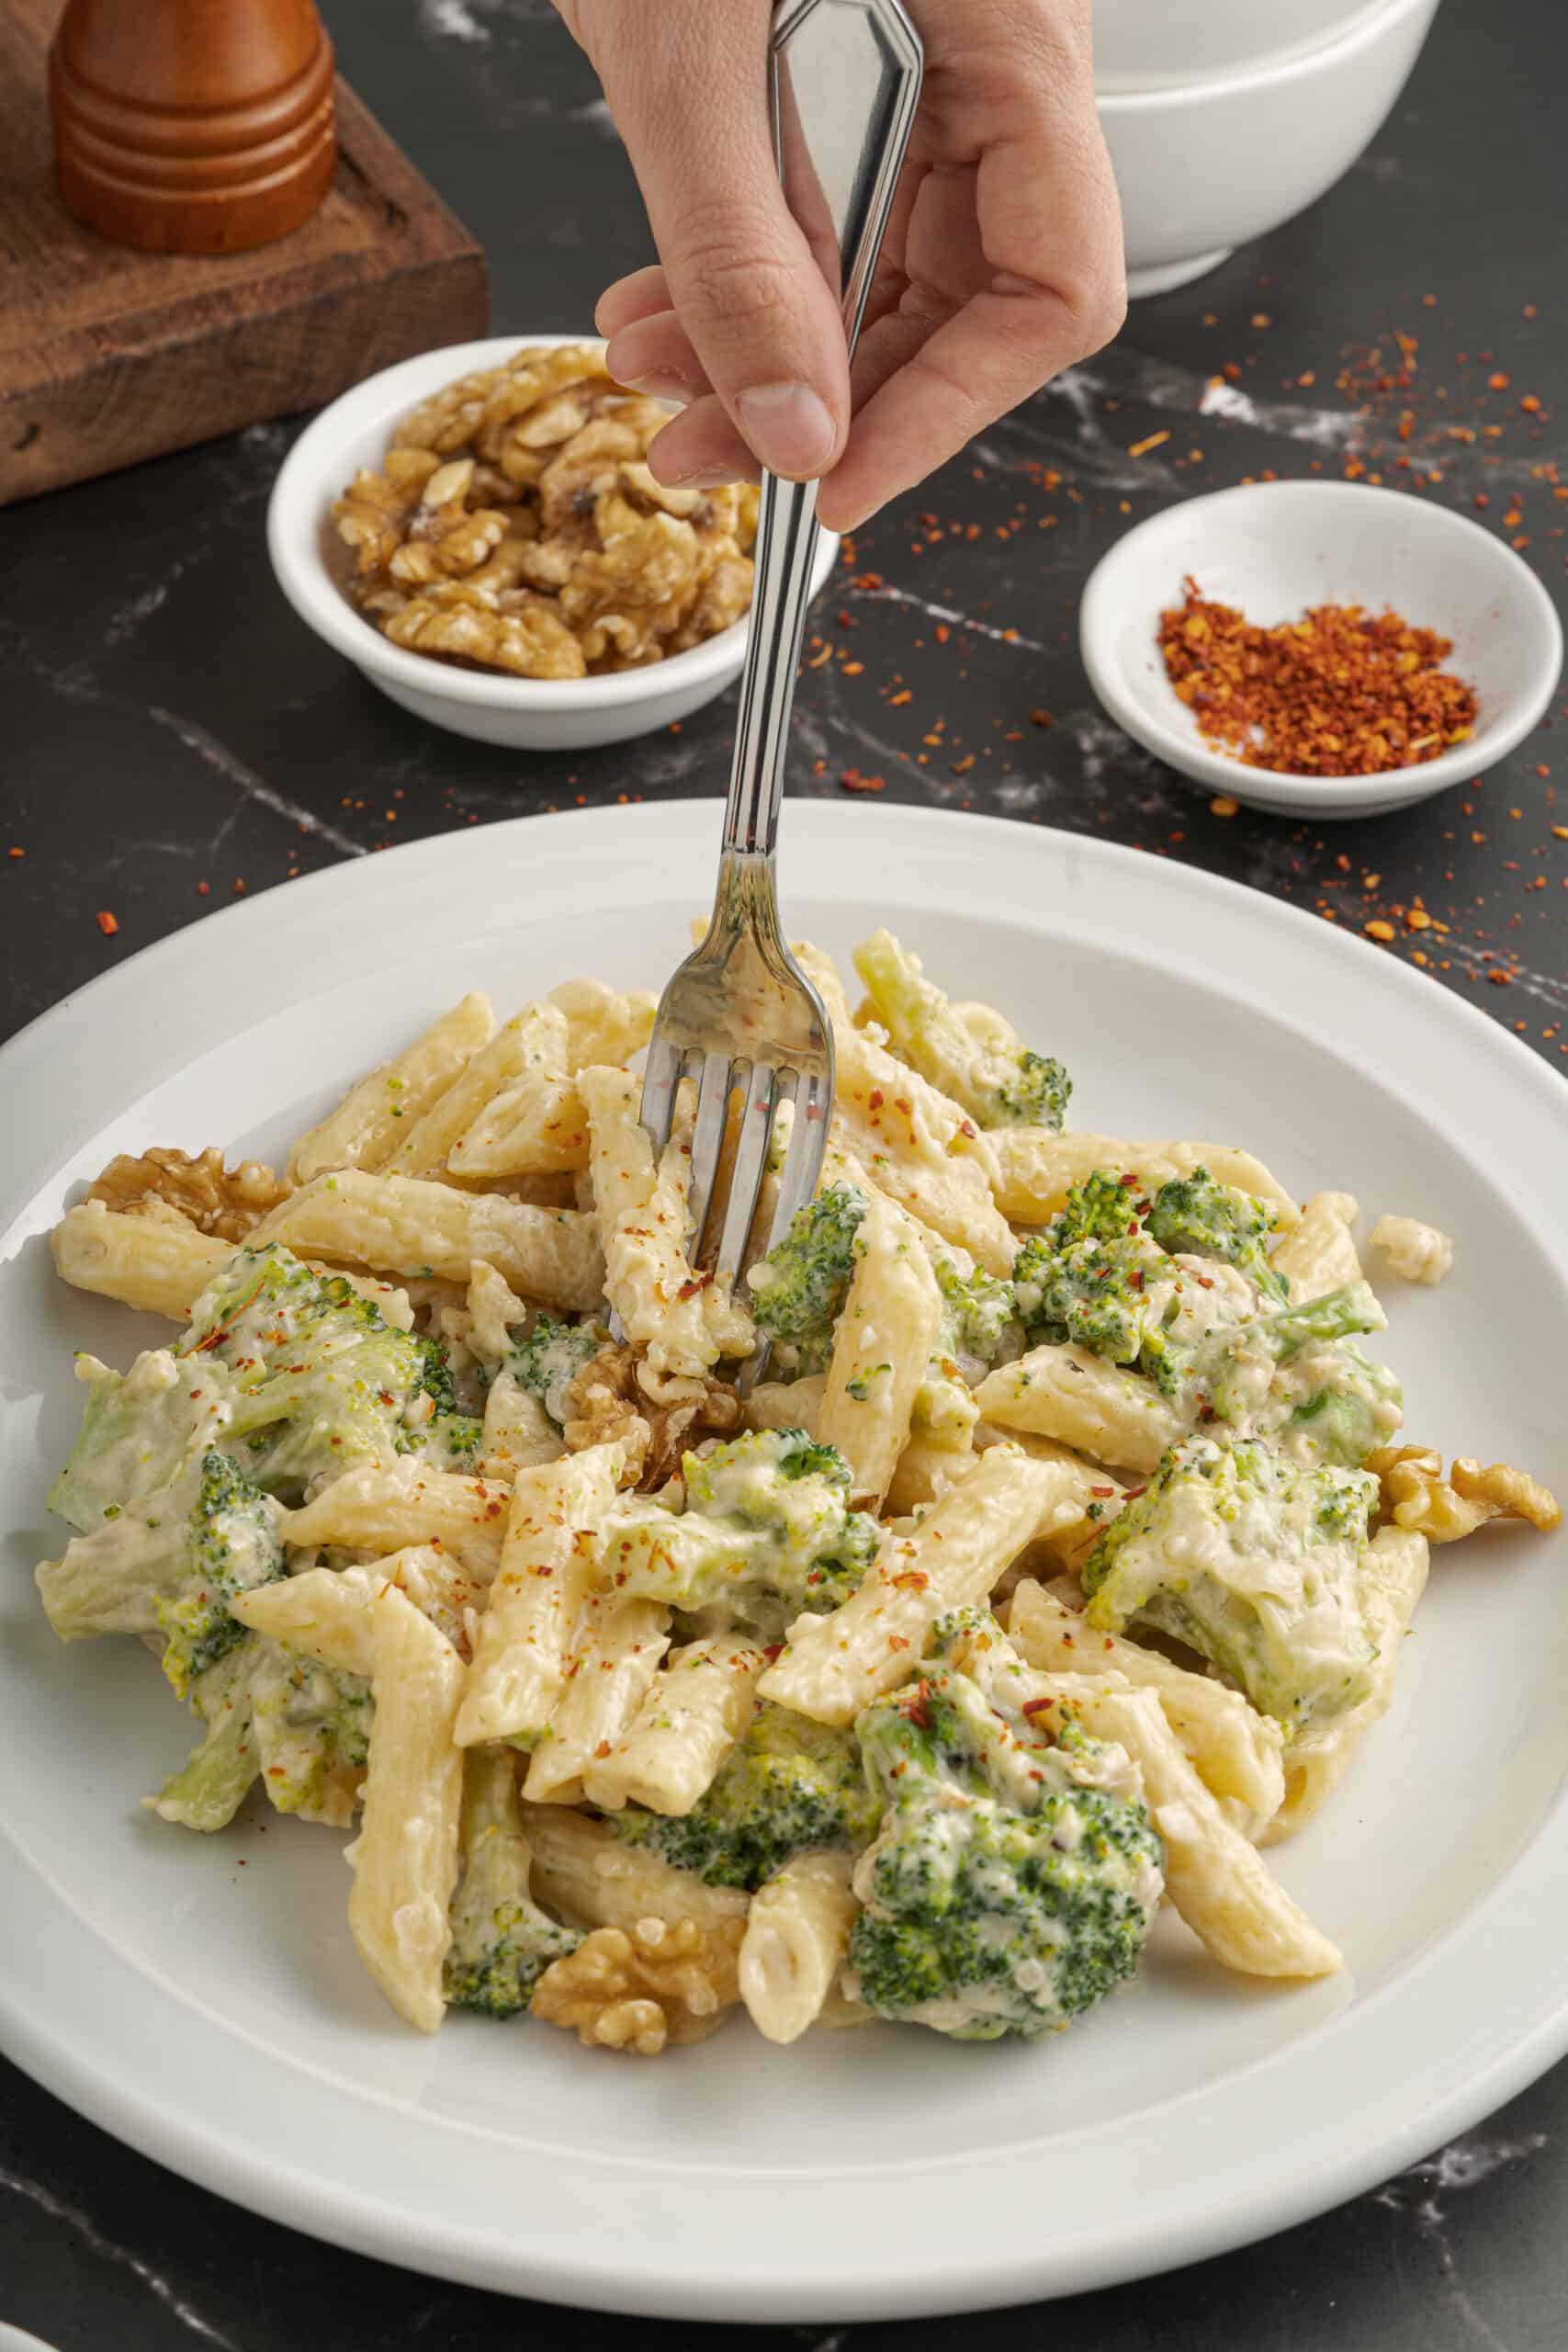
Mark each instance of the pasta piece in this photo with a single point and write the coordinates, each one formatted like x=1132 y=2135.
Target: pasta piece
x=405 y=1224
x=537 y=1126
x=681 y=1323
x=364 y=1131
x=692 y=1717
x=164 y=1264
x=602 y=1025
x=924 y=1474
x=328 y=1612
x=385 y=1506
x=785 y=1404
x=1235 y=1750
x=1068 y=1545
x=518 y=1433
x=494 y=1310
x=1084 y=1403
x=522 y=1644
x=1416 y=1252
x=798 y=1932
x=881 y=1347
x=405 y=1857
x=532 y=1039
x=584 y=1872
x=834 y=1666
x=1391 y=1580
x=1319 y=1254
x=1216 y=1879
x=615 y=1658
x=1036 y=1169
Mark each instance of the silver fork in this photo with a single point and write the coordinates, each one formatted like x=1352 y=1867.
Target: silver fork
x=740 y=1014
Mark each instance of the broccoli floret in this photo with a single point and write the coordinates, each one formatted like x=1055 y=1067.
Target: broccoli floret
x=1253 y=1560
x=1356 y=1407
x=136 y=1431
x=314 y=1377
x=1258 y=1376
x=211 y=1785
x=548 y=1362
x=970 y=1052
x=230 y=1544
x=766 y=1532
x=798 y=1290
x=1206 y=1219
x=169 y=1563
x=790 y=1784
x=979 y=1316
x=1005 y=1892
x=1091 y=1276
x=312 y=1732
x=502 y=1941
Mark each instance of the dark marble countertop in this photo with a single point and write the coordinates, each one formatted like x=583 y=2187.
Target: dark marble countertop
x=174 y=737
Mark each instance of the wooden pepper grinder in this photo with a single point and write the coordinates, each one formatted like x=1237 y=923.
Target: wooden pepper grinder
x=192 y=125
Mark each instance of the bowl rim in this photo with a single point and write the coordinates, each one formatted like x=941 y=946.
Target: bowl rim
x=1268 y=72
x=300 y=495
x=1098 y=616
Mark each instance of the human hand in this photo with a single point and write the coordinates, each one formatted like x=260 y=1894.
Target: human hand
x=1001 y=264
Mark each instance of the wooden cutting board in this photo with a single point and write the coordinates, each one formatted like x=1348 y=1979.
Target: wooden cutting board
x=108 y=355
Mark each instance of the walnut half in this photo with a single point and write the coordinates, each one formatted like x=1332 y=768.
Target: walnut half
x=659 y=1984
x=1416 y=1496
x=225 y=1202
x=608 y=1403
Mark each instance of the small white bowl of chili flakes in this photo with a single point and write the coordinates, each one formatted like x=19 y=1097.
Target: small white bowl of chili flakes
x=1320 y=648
x=477 y=530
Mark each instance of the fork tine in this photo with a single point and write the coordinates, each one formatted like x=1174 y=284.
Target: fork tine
x=751 y=1166
x=802 y=1161
x=661 y=1080
x=707 y=1141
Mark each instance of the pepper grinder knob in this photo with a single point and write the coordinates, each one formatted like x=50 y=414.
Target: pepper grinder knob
x=192 y=125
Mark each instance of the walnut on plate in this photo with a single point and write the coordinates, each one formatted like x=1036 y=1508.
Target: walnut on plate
x=516 y=526
x=609 y=1404
x=224 y=1202
x=661 y=1984
x=1415 y=1495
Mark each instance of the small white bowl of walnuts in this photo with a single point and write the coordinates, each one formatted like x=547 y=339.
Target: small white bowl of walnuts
x=477 y=529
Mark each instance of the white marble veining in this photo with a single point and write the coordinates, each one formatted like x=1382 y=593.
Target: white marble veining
x=227 y=763
x=18 y=2185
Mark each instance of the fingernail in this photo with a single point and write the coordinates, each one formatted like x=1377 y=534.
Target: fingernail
x=669 y=388
x=705 y=477
x=788 y=426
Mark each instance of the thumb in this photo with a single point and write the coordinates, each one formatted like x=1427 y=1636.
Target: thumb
x=687 y=83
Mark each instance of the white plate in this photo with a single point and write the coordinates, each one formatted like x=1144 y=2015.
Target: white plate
x=215 y=2016
x=1274 y=549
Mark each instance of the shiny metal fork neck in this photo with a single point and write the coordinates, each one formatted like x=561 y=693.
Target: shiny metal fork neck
x=786 y=541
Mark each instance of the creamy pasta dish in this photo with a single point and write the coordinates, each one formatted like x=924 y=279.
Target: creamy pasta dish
x=1024 y=1542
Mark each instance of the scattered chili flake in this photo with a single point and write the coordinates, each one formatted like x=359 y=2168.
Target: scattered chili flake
x=1141 y=449
x=1380 y=930
x=1222 y=806
x=1498 y=382
x=108 y=924
x=853 y=781
x=1341 y=692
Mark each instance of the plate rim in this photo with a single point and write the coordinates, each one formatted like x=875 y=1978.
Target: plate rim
x=1272 y=2195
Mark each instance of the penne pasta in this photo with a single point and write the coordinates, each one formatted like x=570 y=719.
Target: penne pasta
x=832 y=1666
x=615 y=1658
x=533 y=1039
x=405 y=1857
x=798 y=1932
x=584 y=1871
x=365 y=1129
x=1236 y=1751
x=1036 y=1169
x=1319 y=1254
x=163 y=1265
x=402 y=1224
x=328 y=1614
x=693 y=1714
x=386 y=1506
x=883 y=1344
x=1084 y=1403
x=522 y=1644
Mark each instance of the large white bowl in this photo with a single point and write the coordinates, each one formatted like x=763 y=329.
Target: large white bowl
x=1204 y=167
x=1156 y=44
x=1275 y=549
x=534 y=713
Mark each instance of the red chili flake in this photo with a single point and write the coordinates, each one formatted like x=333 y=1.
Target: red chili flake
x=1102 y=1490
x=875 y=1099
x=853 y=781
x=1498 y=382
x=108 y=924
x=943 y=632
x=690 y=1289
x=16 y=853
x=1037 y=1706
x=967 y=1127
x=1137 y=1278
x=915 y=1709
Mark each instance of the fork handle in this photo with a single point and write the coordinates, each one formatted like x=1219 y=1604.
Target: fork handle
x=843 y=83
